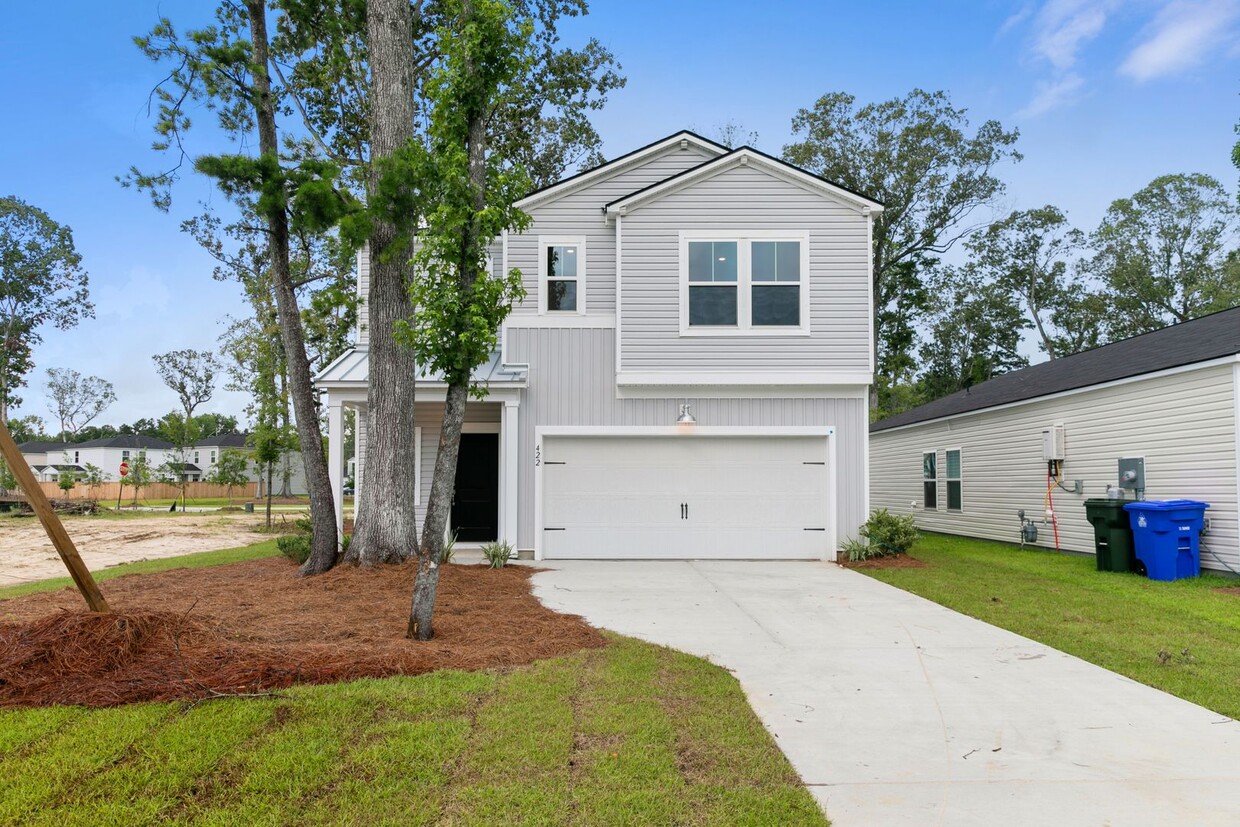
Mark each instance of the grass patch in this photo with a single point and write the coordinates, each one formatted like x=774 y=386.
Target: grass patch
x=267 y=548
x=628 y=734
x=1182 y=637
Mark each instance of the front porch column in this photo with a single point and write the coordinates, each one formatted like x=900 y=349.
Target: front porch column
x=335 y=459
x=509 y=471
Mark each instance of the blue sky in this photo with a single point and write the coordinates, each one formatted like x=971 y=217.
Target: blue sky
x=1106 y=94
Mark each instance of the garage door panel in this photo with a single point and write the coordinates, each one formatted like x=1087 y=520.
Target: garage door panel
x=685 y=497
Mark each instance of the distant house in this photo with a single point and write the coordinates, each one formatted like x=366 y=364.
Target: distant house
x=965 y=464
x=289 y=477
x=107 y=453
x=42 y=457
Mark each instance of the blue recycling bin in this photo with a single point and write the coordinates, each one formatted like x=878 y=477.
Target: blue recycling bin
x=1166 y=536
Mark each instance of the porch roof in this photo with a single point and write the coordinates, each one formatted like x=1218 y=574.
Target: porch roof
x=352 y=369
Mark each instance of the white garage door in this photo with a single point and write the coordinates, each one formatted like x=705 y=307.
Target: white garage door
x=679 y=497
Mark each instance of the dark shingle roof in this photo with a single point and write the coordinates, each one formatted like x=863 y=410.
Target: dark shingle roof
x=126 y=441
x=1199 y=340
x=35 y=447
x=222 y=441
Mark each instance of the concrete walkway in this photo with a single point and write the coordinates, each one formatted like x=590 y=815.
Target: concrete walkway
x=897 y=711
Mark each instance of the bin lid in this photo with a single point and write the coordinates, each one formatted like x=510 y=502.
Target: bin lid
x=1165 y=505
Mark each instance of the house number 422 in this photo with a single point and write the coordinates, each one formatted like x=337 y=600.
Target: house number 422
x=537 y=455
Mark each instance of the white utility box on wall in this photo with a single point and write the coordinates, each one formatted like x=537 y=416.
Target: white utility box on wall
x=1053 y=443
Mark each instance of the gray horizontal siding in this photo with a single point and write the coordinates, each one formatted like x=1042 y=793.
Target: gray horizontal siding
x=572 y=382
x=1184 y=425
x=580 y=214
x=745 y=198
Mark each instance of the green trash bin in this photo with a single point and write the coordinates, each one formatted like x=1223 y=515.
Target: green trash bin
x=1113 y=549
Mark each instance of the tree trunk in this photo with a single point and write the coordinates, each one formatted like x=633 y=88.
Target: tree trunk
x=386 y=529
x=444 y=482
x=437 y=510
x=271 y=470
x=324 y=540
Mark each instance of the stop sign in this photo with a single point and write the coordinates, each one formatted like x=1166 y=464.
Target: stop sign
x=124 y=469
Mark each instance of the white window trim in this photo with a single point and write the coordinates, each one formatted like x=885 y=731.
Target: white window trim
x=937 y=479
x=578 y=241
x=959 y=479
x=744 y=282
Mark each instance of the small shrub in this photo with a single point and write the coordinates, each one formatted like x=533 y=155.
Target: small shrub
x=889 y=533
x=855 y=550
x=445 y=554
x=295 y=547
x=497 y=554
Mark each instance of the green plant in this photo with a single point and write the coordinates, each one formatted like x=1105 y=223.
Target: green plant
x=855 y=550
x=497 y=553
x=889 y=533
x=445 y=555
x=295 y=547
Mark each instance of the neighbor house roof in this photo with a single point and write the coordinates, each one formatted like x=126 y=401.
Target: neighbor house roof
x=126 y=441
x=574 y=182
x=222 y=441
x=35 y=447
x=1200 y=340
x=742 y=156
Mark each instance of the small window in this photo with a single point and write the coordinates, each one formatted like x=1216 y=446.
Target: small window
x=953 y=480
x=124 y=456
x=929 y=480
x=195 y=457
x=213 y=458
x=712 y=283
x=776 y=295
x=562 y=271
x=76 y=457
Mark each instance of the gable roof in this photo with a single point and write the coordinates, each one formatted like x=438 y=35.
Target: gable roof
x=1199 y=340
x=626 y=161
x=126 y=441
x=743 y=156
x=36 y=447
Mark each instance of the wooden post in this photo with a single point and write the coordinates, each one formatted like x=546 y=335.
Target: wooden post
x=51 y=523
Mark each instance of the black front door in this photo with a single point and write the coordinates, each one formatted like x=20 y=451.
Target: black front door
x=475 y=503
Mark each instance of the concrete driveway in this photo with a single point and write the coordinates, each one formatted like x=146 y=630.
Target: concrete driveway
x=898 y=711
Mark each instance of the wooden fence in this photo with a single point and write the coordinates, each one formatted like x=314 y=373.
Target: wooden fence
x=108 y=491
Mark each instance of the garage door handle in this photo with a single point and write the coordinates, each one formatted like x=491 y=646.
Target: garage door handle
x=684 y=511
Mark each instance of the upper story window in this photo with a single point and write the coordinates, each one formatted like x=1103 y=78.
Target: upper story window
x=746 y=283
x=124 y=456
x=562 y=274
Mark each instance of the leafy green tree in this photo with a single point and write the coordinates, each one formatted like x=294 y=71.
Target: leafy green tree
x=66 y=480
x=460 y=302
x=140 y=476
x=915 y=156
x=28 y=429
x=93 y=476
x=41 y=283
x=1163 y=254
x=231 y=470
x=975 y=332
x=75 y=399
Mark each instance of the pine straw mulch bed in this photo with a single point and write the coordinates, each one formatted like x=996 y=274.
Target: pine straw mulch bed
x=256 y=626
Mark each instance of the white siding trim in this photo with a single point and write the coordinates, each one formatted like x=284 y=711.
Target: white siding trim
x=869 y=292
x=1128 y=380
x=619 y=286
x=865 y=455
x=763 y=378
x=578 y=241
x=690 y=431
x=743 y=392
x=1235 y=390
x=553 y=319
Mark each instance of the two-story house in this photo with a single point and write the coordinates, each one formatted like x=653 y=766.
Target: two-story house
x=687 y=377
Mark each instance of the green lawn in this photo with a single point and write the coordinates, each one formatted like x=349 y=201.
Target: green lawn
x=267 y=548
x=631 y=734
x=1123 y=622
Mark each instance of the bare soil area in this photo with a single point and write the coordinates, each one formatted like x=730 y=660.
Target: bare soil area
x=256 y=626
x=26 y=554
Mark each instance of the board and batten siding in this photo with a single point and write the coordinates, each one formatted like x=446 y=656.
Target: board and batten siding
x=363 y=290
x=744 y=198
x=581 y=214
x=572 y=382
x=1183 y=424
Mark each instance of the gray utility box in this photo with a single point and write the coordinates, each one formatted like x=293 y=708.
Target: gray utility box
x=1132 y=474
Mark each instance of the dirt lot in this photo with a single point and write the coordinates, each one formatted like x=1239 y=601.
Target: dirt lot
x=26 y=554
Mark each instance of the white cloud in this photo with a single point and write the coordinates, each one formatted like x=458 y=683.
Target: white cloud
x=1051 y=94
x=1182 y=36
x=1063 y=27
x=1016 y=18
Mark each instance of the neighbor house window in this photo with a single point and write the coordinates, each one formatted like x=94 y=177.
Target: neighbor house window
x=213 y=458
x=562 y=275
x=195 y=457
x=953 y=480
x=929 y=480
x=124 y=456
x=76 y=456
x=744 y=284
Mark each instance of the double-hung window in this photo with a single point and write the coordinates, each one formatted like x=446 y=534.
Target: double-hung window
x=954 y=500
x=929 y=479
x=744 y=283
x=562 y=275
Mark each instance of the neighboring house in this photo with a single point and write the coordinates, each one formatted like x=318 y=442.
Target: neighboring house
x=681 y=281
x=965 y=464
x=107 y=453
x=289 y=477
x=43 y=457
